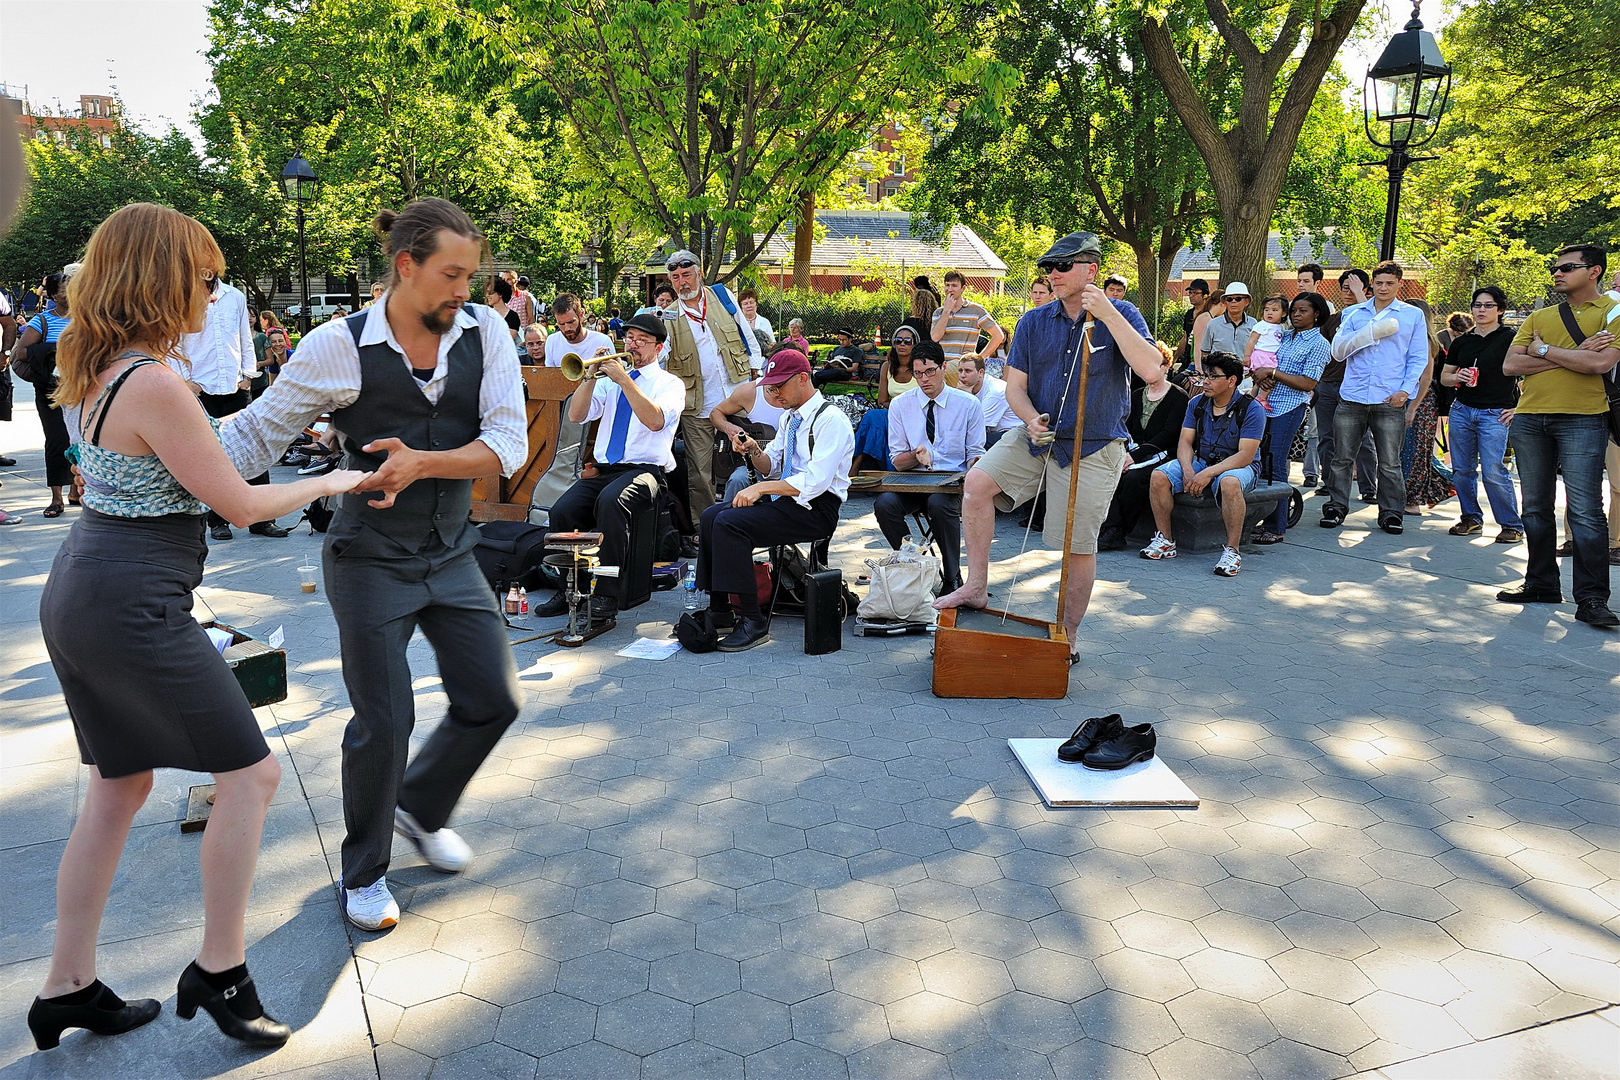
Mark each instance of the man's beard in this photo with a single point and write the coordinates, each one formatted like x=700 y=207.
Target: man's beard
x=697 y=290
x=576 y=336
x=440 y=320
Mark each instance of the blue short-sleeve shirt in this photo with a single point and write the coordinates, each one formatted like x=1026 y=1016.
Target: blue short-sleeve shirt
x=1223 y=433
x=1046 y=348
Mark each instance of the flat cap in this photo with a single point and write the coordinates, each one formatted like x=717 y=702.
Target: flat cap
x=1076 y=247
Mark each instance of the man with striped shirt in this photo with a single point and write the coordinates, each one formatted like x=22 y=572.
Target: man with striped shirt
x=958 y=322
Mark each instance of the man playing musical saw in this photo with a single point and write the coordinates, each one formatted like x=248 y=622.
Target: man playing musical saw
x=640 y=413
x=1043 y=391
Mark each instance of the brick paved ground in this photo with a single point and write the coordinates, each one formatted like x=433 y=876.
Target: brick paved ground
x=775 y=865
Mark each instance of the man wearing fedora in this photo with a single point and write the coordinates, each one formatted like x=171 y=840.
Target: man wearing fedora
x=712 y=349
x=1043 y=391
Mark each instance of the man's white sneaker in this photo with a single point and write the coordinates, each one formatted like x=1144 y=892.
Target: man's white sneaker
x=1231 y=562
x=1160 y=547
x=370 y=907
x=443 y=850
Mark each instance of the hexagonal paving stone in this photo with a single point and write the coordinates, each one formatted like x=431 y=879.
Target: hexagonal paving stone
x=548 y=1024
x=1034 y=1023
x=1143 y=975
x=510 y=978
x=644 y=1023
x=935 y=1022
x=412 y=980
x=1150 y=932
x=651 y=936
x=486 y=1061
x=876 y=976
x=566 y=936
x=965 y=976
x=602 y=977
x=1128 y=1022
x=989 y=934
x=445 y=1025
x=838 y=1022
x=478 y=936
x=743 y=1023
x=826 y=936
x=786 y=976
x=695 y=977
x=1189 y=1057
x=1233 y=974
x=1239 y=1026
x=587 y=1061
x=793 y=1060
x=1054 y=975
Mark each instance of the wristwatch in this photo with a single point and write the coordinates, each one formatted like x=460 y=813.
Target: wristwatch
x=1542 y=352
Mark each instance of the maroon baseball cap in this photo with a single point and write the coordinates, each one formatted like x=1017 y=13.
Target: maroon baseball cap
x=783 y=366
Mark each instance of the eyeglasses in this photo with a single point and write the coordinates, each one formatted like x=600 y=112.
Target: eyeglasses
x=1055 y=267
x=1237 y=299
x=1570 y=268
x=1482 y=307
x=904 y=339
x=685 y=264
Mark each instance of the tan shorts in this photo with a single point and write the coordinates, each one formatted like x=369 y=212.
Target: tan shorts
x=1019 y=476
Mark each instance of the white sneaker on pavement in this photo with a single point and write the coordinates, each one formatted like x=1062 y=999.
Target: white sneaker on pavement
x=443 y=850
x=370 y=907
x=1231 y=562
x=1160 y=547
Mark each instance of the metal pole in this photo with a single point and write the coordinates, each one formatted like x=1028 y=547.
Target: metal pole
x=303 y=277
x=1396 y=162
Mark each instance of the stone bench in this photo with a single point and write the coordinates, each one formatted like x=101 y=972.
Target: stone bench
x=1197 y=520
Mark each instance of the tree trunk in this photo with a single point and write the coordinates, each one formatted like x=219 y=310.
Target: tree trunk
x=804 y=235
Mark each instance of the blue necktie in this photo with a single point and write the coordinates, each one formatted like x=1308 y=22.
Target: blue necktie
x=621 y=425
x=792 y=442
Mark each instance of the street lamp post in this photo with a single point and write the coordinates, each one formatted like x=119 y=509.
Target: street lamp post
x=1403 y=97
x=298 y=180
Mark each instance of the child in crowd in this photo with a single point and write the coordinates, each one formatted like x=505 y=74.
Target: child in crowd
x=1260 y=354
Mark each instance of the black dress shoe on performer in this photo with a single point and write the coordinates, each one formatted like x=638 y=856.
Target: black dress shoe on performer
x=1089 y=734
x=268 y=528
x=1596 y=613
x=557 y=605
x=1392 y=524
x=604 y=609
x=235 y=1009
x=7 y=462
x=721 y=620
x=750 y=631
x=1529 y=596
x=104 y=1013
x=220 y=532
x=1129 y=746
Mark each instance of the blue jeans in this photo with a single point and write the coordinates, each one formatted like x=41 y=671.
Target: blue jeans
x=1326 y=405
x=1280 y=432
x=1478 y=444
x=1351 y=422
x=1544 y=445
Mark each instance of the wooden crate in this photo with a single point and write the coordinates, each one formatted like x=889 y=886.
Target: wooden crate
x=989 y=658
x=260 y=670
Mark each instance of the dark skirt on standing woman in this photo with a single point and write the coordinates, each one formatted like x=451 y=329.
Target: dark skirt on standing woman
x=144 y=686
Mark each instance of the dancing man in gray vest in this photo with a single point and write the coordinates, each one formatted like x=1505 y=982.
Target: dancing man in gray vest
x=423 y=388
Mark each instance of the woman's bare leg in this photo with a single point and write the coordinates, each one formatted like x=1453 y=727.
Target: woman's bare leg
x=230 y=852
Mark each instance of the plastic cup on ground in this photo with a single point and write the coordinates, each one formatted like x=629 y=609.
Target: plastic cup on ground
x=307 y=576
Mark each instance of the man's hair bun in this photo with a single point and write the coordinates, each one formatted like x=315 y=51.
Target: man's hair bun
x=384 y=222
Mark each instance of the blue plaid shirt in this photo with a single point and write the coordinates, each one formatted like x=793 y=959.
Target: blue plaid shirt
x=1046 y=346
x=1302 y=352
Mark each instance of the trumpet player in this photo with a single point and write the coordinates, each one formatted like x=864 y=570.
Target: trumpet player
x=571 y=335
x=640 y=409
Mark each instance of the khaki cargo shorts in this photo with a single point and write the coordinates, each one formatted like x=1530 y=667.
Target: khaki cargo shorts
x=1019 y=476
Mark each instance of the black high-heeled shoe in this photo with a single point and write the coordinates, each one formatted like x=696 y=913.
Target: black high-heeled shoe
x=104 y=1014
x=235 y=1009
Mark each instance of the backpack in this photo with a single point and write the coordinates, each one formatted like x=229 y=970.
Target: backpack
x=696 y=633
x=1240 y=413
x=510 y=553
x=319 y=514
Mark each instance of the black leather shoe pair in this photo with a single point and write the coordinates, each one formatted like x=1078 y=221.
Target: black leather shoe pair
x=1106 y=744
x=235 y=1009
x=750 y=631
x=557 y=605
x=1596 y=613
x=268 y=528
x=105 y=1014
x=219 y=532
x=604 y=609
x=1529 y=596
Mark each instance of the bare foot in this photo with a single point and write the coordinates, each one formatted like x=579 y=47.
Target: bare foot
x=968 y=596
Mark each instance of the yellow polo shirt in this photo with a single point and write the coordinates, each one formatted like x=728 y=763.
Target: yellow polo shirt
x=1561 y=390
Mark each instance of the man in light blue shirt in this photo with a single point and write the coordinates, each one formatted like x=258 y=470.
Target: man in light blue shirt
x=1381 y=376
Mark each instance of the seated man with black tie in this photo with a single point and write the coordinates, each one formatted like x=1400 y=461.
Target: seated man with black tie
x=640 y=412
x=810 y=458
x=938 y=428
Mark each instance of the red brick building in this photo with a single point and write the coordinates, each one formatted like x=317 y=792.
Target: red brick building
x=98 y=114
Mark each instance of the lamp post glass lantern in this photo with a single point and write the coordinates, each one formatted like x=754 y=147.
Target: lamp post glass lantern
x=298 y=180
x=1403 y=98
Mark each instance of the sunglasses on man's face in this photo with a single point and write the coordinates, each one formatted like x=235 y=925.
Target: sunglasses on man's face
x=1570 y=268
x=686 y=265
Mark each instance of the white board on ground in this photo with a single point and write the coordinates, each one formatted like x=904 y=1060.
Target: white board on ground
x=1063 y=783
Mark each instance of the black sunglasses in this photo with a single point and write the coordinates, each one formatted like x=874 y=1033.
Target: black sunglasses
x=1055 y=267
x=1570 y=268
x=687 y=265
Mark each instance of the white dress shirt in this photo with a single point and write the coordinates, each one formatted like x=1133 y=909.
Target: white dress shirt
x=642 y=446
x=558 y=346
x=998 y=415
x=324 y=375
x=762 y=323
x=221 y=355
x=958 y=427
x=828 y=468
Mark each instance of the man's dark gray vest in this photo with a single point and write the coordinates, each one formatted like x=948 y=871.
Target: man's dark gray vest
x=391 y=405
